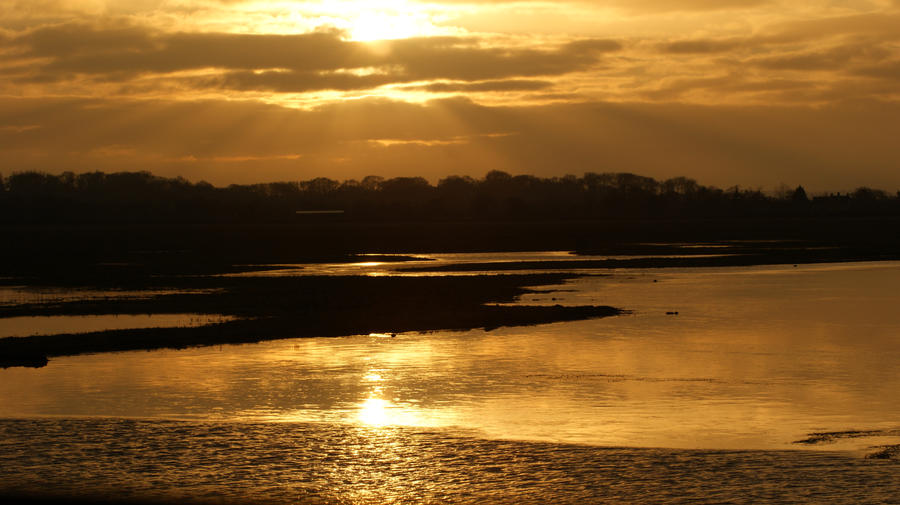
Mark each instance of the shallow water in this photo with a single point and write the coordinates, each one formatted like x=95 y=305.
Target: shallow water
x=437 y=260
x=345 y=464
x=756 y=359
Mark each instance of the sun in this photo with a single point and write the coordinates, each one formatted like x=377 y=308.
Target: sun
x=381 y=26
x=382 y=19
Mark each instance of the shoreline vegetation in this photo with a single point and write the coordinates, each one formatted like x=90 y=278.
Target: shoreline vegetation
x=137 y=231
x=141 y=197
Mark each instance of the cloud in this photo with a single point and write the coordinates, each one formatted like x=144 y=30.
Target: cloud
x=701 y=46
x=889 y=70
x=633 y=5
x=684 y=5
x=483 y=86
x=304 y=62
x=883 y=25
x=93 y=50
x=733 y=84
x=295 y=82
x=832 y=58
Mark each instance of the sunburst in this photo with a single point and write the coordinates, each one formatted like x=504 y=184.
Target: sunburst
x=381 y=19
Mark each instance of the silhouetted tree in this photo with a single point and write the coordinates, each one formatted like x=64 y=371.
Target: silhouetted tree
x=372 y=182
x=868 y=194
x=680 y=186
x=142 y=197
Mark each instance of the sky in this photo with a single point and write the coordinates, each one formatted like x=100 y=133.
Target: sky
x=755 y=93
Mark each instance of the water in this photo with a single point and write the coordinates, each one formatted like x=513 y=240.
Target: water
x=425 y=261
x=647 y=407
x=347 y=464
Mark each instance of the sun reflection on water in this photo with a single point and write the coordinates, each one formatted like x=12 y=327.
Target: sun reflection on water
x=373 y=377
x=374 y=412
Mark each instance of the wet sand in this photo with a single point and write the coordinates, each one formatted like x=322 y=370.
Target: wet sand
x=280 y=463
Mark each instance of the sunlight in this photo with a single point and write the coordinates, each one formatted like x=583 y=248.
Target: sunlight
x=374 y=412
x=378 y=412
x=362 y=21
x=382 y=19
x=374 y=377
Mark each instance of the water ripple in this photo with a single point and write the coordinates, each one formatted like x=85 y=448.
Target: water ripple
x=326 y=463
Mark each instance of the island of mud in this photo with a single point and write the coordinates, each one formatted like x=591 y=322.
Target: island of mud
x=264 y=308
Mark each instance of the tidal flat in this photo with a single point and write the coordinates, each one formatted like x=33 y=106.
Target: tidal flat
x=236 y=463
x=265 y=308
x=470 y=378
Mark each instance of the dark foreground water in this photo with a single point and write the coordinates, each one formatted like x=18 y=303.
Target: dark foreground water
x=333 y=463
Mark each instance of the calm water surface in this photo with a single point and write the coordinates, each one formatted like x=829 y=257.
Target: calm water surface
x=755 y=359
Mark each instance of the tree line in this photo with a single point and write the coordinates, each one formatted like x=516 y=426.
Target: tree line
x=141 y=197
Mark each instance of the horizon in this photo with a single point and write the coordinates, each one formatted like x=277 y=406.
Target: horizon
x=755 y=93
x=779 y=191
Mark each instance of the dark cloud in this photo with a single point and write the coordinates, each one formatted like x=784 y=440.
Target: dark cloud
x=888 y=70
x=423 y=60
x=295 y=82
x=320 y=60
x=77 y=38
x=91 y=50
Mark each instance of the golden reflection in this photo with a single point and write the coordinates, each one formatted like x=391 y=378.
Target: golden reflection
x=374 y=412
x=377 y=412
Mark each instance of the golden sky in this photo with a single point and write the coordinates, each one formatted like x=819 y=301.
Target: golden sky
x=748 y=92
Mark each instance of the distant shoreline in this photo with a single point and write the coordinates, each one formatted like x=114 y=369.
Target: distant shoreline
x=58 y=252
